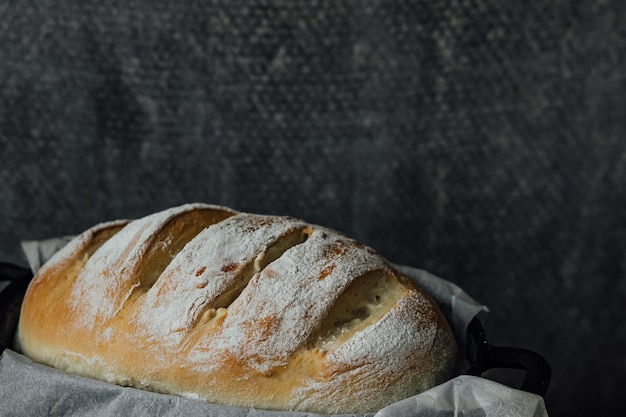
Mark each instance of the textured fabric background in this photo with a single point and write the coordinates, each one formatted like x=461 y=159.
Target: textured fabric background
x=481 y=140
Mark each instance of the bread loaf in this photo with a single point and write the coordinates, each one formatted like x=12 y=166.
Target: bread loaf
x=239 y=309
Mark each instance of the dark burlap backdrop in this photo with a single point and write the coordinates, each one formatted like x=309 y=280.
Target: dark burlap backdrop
x=484 y=141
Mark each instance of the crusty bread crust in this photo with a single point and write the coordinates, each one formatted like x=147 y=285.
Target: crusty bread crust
x=239 y=309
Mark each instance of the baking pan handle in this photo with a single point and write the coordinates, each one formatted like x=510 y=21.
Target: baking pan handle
x=13 y=273
x=485 y=356
x=11 y=296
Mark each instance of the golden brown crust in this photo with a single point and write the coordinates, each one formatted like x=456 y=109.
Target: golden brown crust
x=241 y=309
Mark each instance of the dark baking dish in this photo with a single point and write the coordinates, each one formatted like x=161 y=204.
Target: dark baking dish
x=481 y=355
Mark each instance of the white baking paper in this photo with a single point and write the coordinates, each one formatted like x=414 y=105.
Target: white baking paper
x=29 y=389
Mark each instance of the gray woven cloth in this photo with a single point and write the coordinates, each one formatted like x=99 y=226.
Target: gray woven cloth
x=483 y=141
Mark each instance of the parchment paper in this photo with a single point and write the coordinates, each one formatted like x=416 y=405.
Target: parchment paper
x=28 y=388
